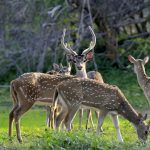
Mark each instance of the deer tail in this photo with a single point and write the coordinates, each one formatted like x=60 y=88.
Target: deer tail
x=13 y=93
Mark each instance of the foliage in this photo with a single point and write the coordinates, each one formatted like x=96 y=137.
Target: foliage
x=31 y=32
x=139 y=48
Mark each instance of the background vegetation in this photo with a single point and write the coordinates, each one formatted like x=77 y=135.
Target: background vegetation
x=30 y=33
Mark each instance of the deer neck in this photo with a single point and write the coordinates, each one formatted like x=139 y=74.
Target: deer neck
x=141 y=76
x=81 y=73
x=128 y=112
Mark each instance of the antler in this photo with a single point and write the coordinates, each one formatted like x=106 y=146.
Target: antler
x=92 y=43
x=66 y=46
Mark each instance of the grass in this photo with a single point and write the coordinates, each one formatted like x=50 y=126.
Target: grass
x=37 y=136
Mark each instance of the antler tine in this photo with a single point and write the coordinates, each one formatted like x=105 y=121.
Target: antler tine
x=92 y=43
x=66 y=46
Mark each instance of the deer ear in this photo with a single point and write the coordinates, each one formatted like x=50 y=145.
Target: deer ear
x=131 y=59
x=56 y=67
x=89 y=55
x=143 y=118
x=146 y=59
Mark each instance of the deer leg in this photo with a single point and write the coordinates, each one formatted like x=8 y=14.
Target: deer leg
x=69 y=118
x=11 y=114
x=97 y=114
x=101 y=118
x=53 y=122
x=116 y=124
x=62 y=123
x=17 y=123
x=60 y=117
x=53 y=117
x=63 y=126
x=17 y=114
x=11 y=118
x=91 y=119
x=88 y=115
x=48 y=108
x=80 y=117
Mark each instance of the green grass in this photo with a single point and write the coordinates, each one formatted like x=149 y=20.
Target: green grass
x=37 y=136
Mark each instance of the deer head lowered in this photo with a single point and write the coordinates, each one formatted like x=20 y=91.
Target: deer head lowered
x=143 y=79
x=106 y=98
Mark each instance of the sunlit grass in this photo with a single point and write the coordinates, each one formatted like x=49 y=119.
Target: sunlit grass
x=37 y=136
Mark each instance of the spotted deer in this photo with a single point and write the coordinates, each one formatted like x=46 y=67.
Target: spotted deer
x=57 y=69
x=143 y=79
x=29 y=89
x=80 y=64
x=76 y=93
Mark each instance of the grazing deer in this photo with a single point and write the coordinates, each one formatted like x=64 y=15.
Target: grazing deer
x=80 y=64
x=143 y=79
x=57 y=69
x=76 y=93
x=28 y=89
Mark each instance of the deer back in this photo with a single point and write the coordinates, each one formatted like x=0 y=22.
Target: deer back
x=91 y=93
x=38 y=86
